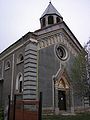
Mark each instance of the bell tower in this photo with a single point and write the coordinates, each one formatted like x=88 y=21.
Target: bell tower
x=50 y=16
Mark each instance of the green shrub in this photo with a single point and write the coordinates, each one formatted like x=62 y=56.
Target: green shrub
x=1 y=113
x=84 y=116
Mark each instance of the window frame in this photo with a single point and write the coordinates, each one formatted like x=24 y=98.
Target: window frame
x=7 y=64
x=50 y=20
x=19 y=80
x=19 y=58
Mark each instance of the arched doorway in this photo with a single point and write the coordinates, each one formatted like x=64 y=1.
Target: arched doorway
x=61 y=100
x=62 y=86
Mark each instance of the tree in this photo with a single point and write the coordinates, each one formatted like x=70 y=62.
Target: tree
x=87 y=48
x=79 y=75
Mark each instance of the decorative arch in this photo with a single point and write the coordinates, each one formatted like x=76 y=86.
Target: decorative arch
x=62 y=89
x=62 y=79
x=19 y=83
x=62 y=83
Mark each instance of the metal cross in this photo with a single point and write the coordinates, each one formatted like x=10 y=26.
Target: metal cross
x=50 y=1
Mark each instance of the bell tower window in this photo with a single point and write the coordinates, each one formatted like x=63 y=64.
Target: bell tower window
x=50 y=20
x=43 y=22
x=58 y=19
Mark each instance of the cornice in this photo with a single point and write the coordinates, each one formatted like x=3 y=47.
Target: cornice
x=55 y=39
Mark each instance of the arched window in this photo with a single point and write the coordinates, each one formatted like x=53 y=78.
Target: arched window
x=19 y=83
x=7 y=65
x=20 y=58
x=50 y=20
x=58 y=19
x=43 y=22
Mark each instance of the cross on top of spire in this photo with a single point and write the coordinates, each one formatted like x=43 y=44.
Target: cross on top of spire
x=50 y=10
x=50 y=1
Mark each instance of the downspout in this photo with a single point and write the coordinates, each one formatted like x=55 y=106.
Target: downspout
x=12 y=78
x=72 y=100
x=2 y=69
x=2 y=83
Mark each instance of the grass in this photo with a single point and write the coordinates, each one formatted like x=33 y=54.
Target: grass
x=84 y=116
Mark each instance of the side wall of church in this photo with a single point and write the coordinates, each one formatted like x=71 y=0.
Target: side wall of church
x=9 y=74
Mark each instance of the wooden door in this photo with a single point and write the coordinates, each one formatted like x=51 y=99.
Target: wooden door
x=61 y=100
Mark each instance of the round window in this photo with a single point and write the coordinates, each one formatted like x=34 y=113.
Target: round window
x=61 y=52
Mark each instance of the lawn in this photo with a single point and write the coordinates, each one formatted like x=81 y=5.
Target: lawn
x=84 y=116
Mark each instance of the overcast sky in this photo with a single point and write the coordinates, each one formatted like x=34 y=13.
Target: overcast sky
x=17 y=17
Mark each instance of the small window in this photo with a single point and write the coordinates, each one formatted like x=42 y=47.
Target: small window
x=19 y=83
x=50 y=20
x=20 y=58
x=58 y=19
x=7 y=65
x=43 y=22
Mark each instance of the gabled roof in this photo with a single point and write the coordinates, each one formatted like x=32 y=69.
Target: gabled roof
x=50 y=10
x=28 y=36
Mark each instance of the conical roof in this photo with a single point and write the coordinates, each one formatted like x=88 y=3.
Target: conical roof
x=50 y=10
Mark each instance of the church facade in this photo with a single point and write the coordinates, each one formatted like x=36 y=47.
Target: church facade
x=42 y=61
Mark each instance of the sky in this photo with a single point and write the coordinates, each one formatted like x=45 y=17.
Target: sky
x=17 y=17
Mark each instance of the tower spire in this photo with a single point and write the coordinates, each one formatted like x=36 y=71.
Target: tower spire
x=50 y=16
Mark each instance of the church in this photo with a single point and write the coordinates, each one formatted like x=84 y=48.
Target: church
x=42 y=61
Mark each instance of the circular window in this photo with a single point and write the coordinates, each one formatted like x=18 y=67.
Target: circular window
x=61 y=52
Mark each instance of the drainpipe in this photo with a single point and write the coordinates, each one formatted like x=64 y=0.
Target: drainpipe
x=2 y=82
x=12 y=78
x=53 y=82
x=2 y=69
x=72 y=101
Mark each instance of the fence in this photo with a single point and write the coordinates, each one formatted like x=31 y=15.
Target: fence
x=25 y=109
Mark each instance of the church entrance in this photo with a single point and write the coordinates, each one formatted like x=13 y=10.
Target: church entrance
x=62 y=93
x=61 y=100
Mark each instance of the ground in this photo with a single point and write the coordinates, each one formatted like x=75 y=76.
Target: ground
x=83 y=116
